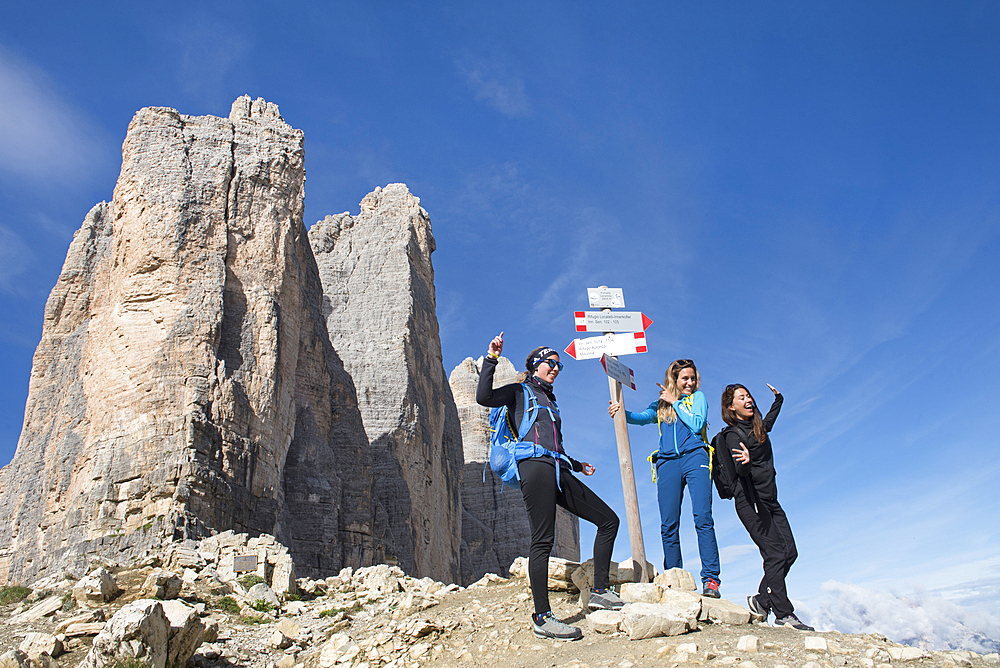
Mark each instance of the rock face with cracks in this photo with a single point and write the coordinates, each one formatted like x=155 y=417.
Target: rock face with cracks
x=494 y=522
x=379 y=305
x=185 y=379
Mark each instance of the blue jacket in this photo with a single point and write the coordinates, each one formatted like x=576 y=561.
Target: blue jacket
x=684 y=434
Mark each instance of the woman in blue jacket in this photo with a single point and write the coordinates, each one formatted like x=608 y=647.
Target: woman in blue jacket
x=681 y=414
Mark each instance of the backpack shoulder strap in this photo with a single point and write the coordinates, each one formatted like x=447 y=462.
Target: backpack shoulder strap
x=529 y=412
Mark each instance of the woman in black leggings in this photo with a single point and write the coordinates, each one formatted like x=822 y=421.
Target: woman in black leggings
x=542 y=490
x=756 y=499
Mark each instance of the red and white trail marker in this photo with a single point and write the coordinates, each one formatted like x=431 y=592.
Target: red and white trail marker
x=611 y=321
x=618 y=371
x=610 y=344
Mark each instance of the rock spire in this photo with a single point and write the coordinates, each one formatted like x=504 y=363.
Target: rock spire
x=185 y=379
x=379 y=304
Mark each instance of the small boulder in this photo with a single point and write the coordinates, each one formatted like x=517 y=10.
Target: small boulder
x=15 y=658
x=721 y=611
x=35 y=644
x=140 y=630
x=605 y=621
x=651 y=620
x=261 y=592
x=815 y=643
x=163 y=585
x=676 y=578
x=747 y=644
x=640 y=592
x=96 y=589
x=187 y=631
x=626 y=571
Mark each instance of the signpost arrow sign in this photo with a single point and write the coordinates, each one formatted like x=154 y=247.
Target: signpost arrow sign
x=611 y=344
x=618 y=371
x=611 y=321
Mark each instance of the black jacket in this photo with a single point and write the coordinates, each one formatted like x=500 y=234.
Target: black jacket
x=760 y=471
x=512 y=397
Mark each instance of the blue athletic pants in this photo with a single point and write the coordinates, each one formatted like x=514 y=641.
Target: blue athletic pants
x=692 y=470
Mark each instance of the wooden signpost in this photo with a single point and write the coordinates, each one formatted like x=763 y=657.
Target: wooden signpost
x=607 y=347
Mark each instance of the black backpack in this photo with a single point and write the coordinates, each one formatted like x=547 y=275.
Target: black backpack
x=723 y=467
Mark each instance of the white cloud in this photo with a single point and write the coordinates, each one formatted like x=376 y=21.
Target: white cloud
x=502 y=91
x=41 y=135
x=920 y=619
x=209 y=48
x=15 y=257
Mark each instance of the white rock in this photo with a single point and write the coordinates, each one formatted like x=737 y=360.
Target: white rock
x=162 y=585
x=15 y=658
x=626 y=571
x=676 y=578
x=687 y=648
x=261 y=592
x=721 y=611
x=811 y=664
x=338 y=645
x=640 y=592
x=906 y=653
x=747 y=644
x=650 y=620
x=35 y=643
x=95 y=589
x=605 y=621
x=279 y=640
x=43 y=608
x=187 y=631
x=283 y=576
x=751 y=664
x=139 y=630
x=815 y=643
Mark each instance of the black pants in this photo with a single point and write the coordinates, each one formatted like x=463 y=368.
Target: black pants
x=538 y=488
x=768 y=527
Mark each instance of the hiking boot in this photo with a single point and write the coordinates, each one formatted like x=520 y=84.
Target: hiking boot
x=793 y=622
x=550 y=627
x=711 y=589
x=756 y=608
x=604 y=599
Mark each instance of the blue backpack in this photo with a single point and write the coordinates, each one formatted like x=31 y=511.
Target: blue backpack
x=508 y=448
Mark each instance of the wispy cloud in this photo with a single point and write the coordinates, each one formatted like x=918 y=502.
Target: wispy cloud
x=920 y=619
x=15 y=258
x=42 y=136
x=490 y=82
x=209 y=48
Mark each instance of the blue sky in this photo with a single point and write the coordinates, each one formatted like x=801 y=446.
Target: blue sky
x=798 y=195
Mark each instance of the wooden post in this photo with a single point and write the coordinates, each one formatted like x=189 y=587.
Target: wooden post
x=628 y=481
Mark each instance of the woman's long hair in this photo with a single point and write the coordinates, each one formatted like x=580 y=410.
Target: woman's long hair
x=729 y=415
x=664 y=411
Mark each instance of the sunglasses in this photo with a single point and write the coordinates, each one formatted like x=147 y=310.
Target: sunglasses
x=553 y=364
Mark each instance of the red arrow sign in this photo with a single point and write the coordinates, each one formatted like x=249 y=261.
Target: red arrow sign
x=611 y=344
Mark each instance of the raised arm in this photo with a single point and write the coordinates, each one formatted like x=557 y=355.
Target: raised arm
x=772 y=414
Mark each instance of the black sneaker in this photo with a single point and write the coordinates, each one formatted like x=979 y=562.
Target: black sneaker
x=792 y=621
x=756 y=608
x=550 y=627
x=711 y=589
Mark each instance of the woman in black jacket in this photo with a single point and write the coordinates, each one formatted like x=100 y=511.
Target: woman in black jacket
x=756 y=500
x=539 y=487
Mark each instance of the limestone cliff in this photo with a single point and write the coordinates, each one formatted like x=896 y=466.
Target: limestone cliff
x=379 y=303
x=185 y=378
x=494 y=522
